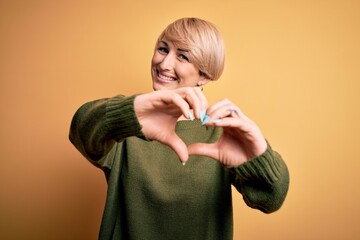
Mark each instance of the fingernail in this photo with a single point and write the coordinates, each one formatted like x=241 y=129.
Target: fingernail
x=216 y=120
x=205 y=120
x=202 y=115
x=190 y=116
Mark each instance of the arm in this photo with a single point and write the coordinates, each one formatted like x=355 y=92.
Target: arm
x=263 y=181
x=258 y=172
x=97 y=125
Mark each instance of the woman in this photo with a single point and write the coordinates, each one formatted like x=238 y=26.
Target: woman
x=138 y=142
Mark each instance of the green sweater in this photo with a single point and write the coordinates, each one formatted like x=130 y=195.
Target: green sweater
x=151 y=195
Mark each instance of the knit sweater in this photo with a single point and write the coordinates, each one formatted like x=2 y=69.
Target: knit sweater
x=151 y=195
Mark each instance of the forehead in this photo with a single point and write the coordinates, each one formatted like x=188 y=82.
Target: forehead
x=175 y=44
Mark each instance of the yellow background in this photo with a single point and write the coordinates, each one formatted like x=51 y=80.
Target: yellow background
x=292 y=66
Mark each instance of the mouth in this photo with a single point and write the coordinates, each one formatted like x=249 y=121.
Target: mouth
x=165 y=78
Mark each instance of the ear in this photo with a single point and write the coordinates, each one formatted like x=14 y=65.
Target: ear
x=203 y=81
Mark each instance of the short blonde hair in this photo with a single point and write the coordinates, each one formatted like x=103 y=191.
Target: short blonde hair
x=204 y=42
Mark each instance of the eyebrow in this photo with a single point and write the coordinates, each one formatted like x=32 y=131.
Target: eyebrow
x=179 y=49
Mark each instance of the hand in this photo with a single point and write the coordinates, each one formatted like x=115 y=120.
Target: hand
x=240 y=141
x=159 y=111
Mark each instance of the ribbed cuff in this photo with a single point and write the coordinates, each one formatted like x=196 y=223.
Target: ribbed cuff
x=264 y=168
x=121 y=118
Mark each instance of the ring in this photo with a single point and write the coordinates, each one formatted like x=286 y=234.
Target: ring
x=231 y=110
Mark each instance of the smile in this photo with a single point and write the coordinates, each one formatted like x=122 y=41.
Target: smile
x=166 y=78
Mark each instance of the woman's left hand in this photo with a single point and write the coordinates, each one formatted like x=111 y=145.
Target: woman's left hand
x=240 y=141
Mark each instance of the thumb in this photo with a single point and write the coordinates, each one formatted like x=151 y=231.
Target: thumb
x=204 y=149
x=179 y=147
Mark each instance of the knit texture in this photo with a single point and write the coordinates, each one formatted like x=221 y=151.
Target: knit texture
x=151 y=195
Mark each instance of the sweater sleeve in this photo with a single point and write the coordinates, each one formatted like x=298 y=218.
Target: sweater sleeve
x=98 y=125
x=263 y=181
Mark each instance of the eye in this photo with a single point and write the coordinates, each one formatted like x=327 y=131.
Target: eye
x=163 y=50
x=183 y=57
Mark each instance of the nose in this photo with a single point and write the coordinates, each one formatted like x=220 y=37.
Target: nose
x=168 y=62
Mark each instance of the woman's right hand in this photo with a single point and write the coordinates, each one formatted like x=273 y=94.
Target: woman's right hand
x=159 y=111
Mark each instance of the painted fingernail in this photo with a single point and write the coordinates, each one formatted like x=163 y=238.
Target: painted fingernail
x=190 y=116
x=216 y=120
x=205 y=120
x=202 y=115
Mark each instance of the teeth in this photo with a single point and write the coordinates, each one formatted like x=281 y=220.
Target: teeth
x=166 y=77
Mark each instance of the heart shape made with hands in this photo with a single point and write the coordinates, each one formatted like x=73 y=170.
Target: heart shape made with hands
x=234 y=146
x=159 y=111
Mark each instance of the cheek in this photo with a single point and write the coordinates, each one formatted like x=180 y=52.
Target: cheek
x=191 y=73
x=153 y=60
x=157 y=58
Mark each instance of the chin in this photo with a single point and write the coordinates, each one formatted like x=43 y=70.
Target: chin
x=158 y=86
x=164 y=86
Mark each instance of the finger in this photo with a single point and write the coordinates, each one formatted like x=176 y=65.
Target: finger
x=195 y=98
x=172 y=99
x=204 y=149
x=218 y=105
x=227 y=110
x=179 y=147
x=203 y=102
x=218 y=109
x=229 y=121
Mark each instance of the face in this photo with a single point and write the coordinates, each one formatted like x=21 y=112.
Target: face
x=171 y=68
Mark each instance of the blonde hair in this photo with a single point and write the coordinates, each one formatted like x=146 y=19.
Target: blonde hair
x=204 y=42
